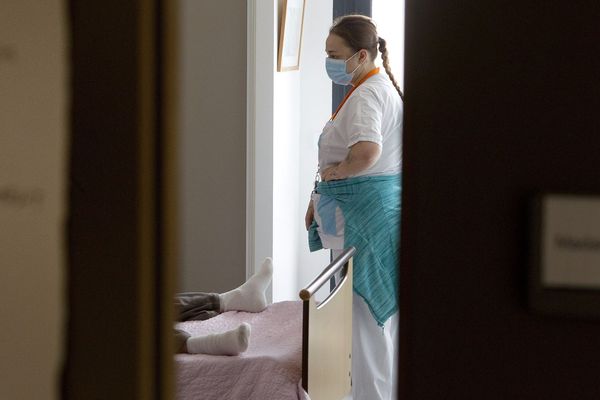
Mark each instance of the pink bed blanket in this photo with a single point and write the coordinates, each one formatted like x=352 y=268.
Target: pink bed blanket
x=270 y=369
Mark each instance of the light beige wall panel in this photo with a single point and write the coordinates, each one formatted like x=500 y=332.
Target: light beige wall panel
x=212 y=79
x=33 y=136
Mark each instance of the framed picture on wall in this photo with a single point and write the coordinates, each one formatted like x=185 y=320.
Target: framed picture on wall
x=290 y=35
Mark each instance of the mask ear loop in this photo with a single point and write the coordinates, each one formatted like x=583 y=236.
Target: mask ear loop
x=358 y=66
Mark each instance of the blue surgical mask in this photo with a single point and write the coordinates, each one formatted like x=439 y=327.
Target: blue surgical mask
x=336 y=69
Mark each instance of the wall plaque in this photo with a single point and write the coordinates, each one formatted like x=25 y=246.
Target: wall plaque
x=565 y=253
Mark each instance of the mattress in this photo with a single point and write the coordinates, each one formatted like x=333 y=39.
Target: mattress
x=271 y=367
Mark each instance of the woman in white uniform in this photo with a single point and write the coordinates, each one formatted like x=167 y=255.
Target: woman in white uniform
x=357 y=201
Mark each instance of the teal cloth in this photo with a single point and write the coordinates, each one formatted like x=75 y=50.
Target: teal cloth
x=371 y=209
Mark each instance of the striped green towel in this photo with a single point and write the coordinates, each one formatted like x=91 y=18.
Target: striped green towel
x=371 y=208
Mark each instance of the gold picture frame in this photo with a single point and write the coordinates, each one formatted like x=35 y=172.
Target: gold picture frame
x=290 y=35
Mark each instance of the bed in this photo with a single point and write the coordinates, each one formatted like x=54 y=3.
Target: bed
x=298 y=350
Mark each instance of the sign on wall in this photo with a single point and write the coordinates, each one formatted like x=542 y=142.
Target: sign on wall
x=565 y=255
x=571 y=242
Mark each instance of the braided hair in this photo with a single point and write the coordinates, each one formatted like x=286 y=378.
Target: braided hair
x=360 y=32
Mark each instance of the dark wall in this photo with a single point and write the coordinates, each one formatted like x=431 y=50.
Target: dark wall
x=502 y=102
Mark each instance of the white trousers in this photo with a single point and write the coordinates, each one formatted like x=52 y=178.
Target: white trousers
x=374 y=353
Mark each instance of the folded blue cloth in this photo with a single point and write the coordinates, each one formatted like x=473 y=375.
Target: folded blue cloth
x=371 y=209
x=326 y=208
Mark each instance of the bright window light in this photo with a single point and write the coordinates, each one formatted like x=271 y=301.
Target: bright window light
x=389 y=17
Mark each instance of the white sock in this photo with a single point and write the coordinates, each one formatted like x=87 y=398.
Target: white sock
x=251 y=295
x=230 y=343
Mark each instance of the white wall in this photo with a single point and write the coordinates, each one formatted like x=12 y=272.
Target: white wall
x=302 y=106
x=315 y=110
x=389 y=17
x=286 y=141
x=261 y=40
x=33 y=144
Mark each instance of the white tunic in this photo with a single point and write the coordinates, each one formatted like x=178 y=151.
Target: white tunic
x=372 y=113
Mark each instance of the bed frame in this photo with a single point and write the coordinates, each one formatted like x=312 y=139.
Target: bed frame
x=327 y=333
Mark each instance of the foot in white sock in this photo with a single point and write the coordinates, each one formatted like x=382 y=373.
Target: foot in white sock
x=230 y=343
x=251 y=295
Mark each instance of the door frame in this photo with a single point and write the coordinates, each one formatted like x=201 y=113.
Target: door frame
x=120 y=224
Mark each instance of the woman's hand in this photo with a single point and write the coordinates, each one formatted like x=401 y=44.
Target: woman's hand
x=330 y=173
x=310 y=215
